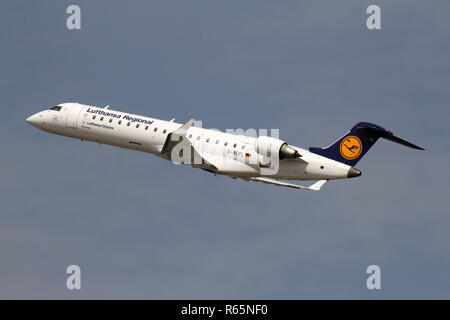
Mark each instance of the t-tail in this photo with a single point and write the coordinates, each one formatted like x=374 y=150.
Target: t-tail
x=354 y=145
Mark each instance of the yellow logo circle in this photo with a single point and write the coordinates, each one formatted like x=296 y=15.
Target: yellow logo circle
x=351 y=147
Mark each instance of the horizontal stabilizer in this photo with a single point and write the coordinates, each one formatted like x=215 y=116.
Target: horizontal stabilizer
x=403 y=142
x=376 y=131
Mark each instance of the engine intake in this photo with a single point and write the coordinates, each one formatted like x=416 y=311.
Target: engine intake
x=266 y=146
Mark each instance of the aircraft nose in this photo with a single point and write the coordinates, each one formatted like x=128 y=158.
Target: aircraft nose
x=352 y=172
x=33 y=120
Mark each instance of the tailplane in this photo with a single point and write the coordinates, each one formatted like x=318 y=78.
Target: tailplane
x=353 y=146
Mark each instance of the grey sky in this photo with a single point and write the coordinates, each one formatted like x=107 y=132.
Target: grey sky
x=141 y=227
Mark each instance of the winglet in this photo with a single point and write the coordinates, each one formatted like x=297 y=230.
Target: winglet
x=316 y=186
x=182 y=130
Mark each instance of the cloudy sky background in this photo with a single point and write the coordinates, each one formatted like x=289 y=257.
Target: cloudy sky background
x=141 y=227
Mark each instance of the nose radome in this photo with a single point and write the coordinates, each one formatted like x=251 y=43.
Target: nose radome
x=352 y=172
x=33 y=120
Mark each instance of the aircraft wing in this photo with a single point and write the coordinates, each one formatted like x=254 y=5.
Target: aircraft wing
x=215 y=163
x=197 y=159
x=316 y=186
x=181 y=131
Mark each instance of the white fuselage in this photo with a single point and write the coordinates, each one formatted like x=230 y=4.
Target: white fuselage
x=146 y=134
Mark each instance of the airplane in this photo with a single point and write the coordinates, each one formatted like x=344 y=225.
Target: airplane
x=265 y=159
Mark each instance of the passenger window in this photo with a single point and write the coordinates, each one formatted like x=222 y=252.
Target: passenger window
x=137 y=126
x=128 y=124
x=217 y=141
x=110 y=120
x=156 y=129
x=243 y=146
x=93 y=117
x=164 y=131
x=120 y=121
x=234 y=145
x=190 y=136
x=101 y=119
x=207 y=140
x=146 y=127
x=226 y=143
x=198 y=138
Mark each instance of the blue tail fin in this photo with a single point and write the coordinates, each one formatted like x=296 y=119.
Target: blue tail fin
x=353 y=146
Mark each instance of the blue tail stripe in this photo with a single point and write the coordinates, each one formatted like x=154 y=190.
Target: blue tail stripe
x=355 y=144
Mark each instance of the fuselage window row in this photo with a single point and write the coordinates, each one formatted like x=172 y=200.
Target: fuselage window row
x=129 y=124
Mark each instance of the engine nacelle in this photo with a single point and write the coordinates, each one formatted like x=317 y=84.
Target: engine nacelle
x=268 y=147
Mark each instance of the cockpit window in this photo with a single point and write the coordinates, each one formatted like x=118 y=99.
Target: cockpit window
x=57 y=108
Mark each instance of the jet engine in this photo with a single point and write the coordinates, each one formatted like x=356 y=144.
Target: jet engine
x=268 y=146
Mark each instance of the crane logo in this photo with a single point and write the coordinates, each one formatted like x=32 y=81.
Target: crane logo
x=351 y=147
